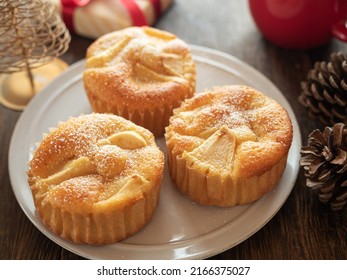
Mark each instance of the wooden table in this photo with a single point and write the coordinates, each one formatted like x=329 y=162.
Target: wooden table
x=302 y=229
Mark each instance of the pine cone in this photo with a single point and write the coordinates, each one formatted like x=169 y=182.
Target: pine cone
x=324 y=93
x=324 y=160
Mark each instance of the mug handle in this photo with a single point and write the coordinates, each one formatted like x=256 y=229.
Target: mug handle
x=339 y=30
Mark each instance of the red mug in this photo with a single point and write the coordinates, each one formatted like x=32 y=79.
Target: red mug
x=300 y=24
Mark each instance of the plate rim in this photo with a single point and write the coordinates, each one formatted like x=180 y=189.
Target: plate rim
x=196 y=50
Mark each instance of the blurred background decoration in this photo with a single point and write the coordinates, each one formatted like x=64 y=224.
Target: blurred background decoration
x=94 y=18
x=32 y=37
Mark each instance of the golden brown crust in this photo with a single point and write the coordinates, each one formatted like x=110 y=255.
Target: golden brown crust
x=232 y=134
x=89 y=175
x=137 y=71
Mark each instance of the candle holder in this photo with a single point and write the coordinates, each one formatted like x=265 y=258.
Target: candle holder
x=32 y=37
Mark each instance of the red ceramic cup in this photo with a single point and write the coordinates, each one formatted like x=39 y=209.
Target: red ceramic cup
x=300 y=24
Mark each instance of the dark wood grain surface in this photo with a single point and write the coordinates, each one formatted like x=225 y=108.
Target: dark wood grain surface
x=302 y=229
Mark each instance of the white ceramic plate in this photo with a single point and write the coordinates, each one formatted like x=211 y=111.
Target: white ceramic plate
x=179 y=229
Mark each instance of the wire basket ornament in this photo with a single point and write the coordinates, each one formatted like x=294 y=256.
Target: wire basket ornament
x=31 y=35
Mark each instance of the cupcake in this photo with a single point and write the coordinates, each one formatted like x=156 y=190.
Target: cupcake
x=141 y=74
x=95 y=179
x=228 y=146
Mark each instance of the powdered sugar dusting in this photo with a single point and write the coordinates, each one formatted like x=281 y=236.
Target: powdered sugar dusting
x=260 y=125
x=107 y=166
